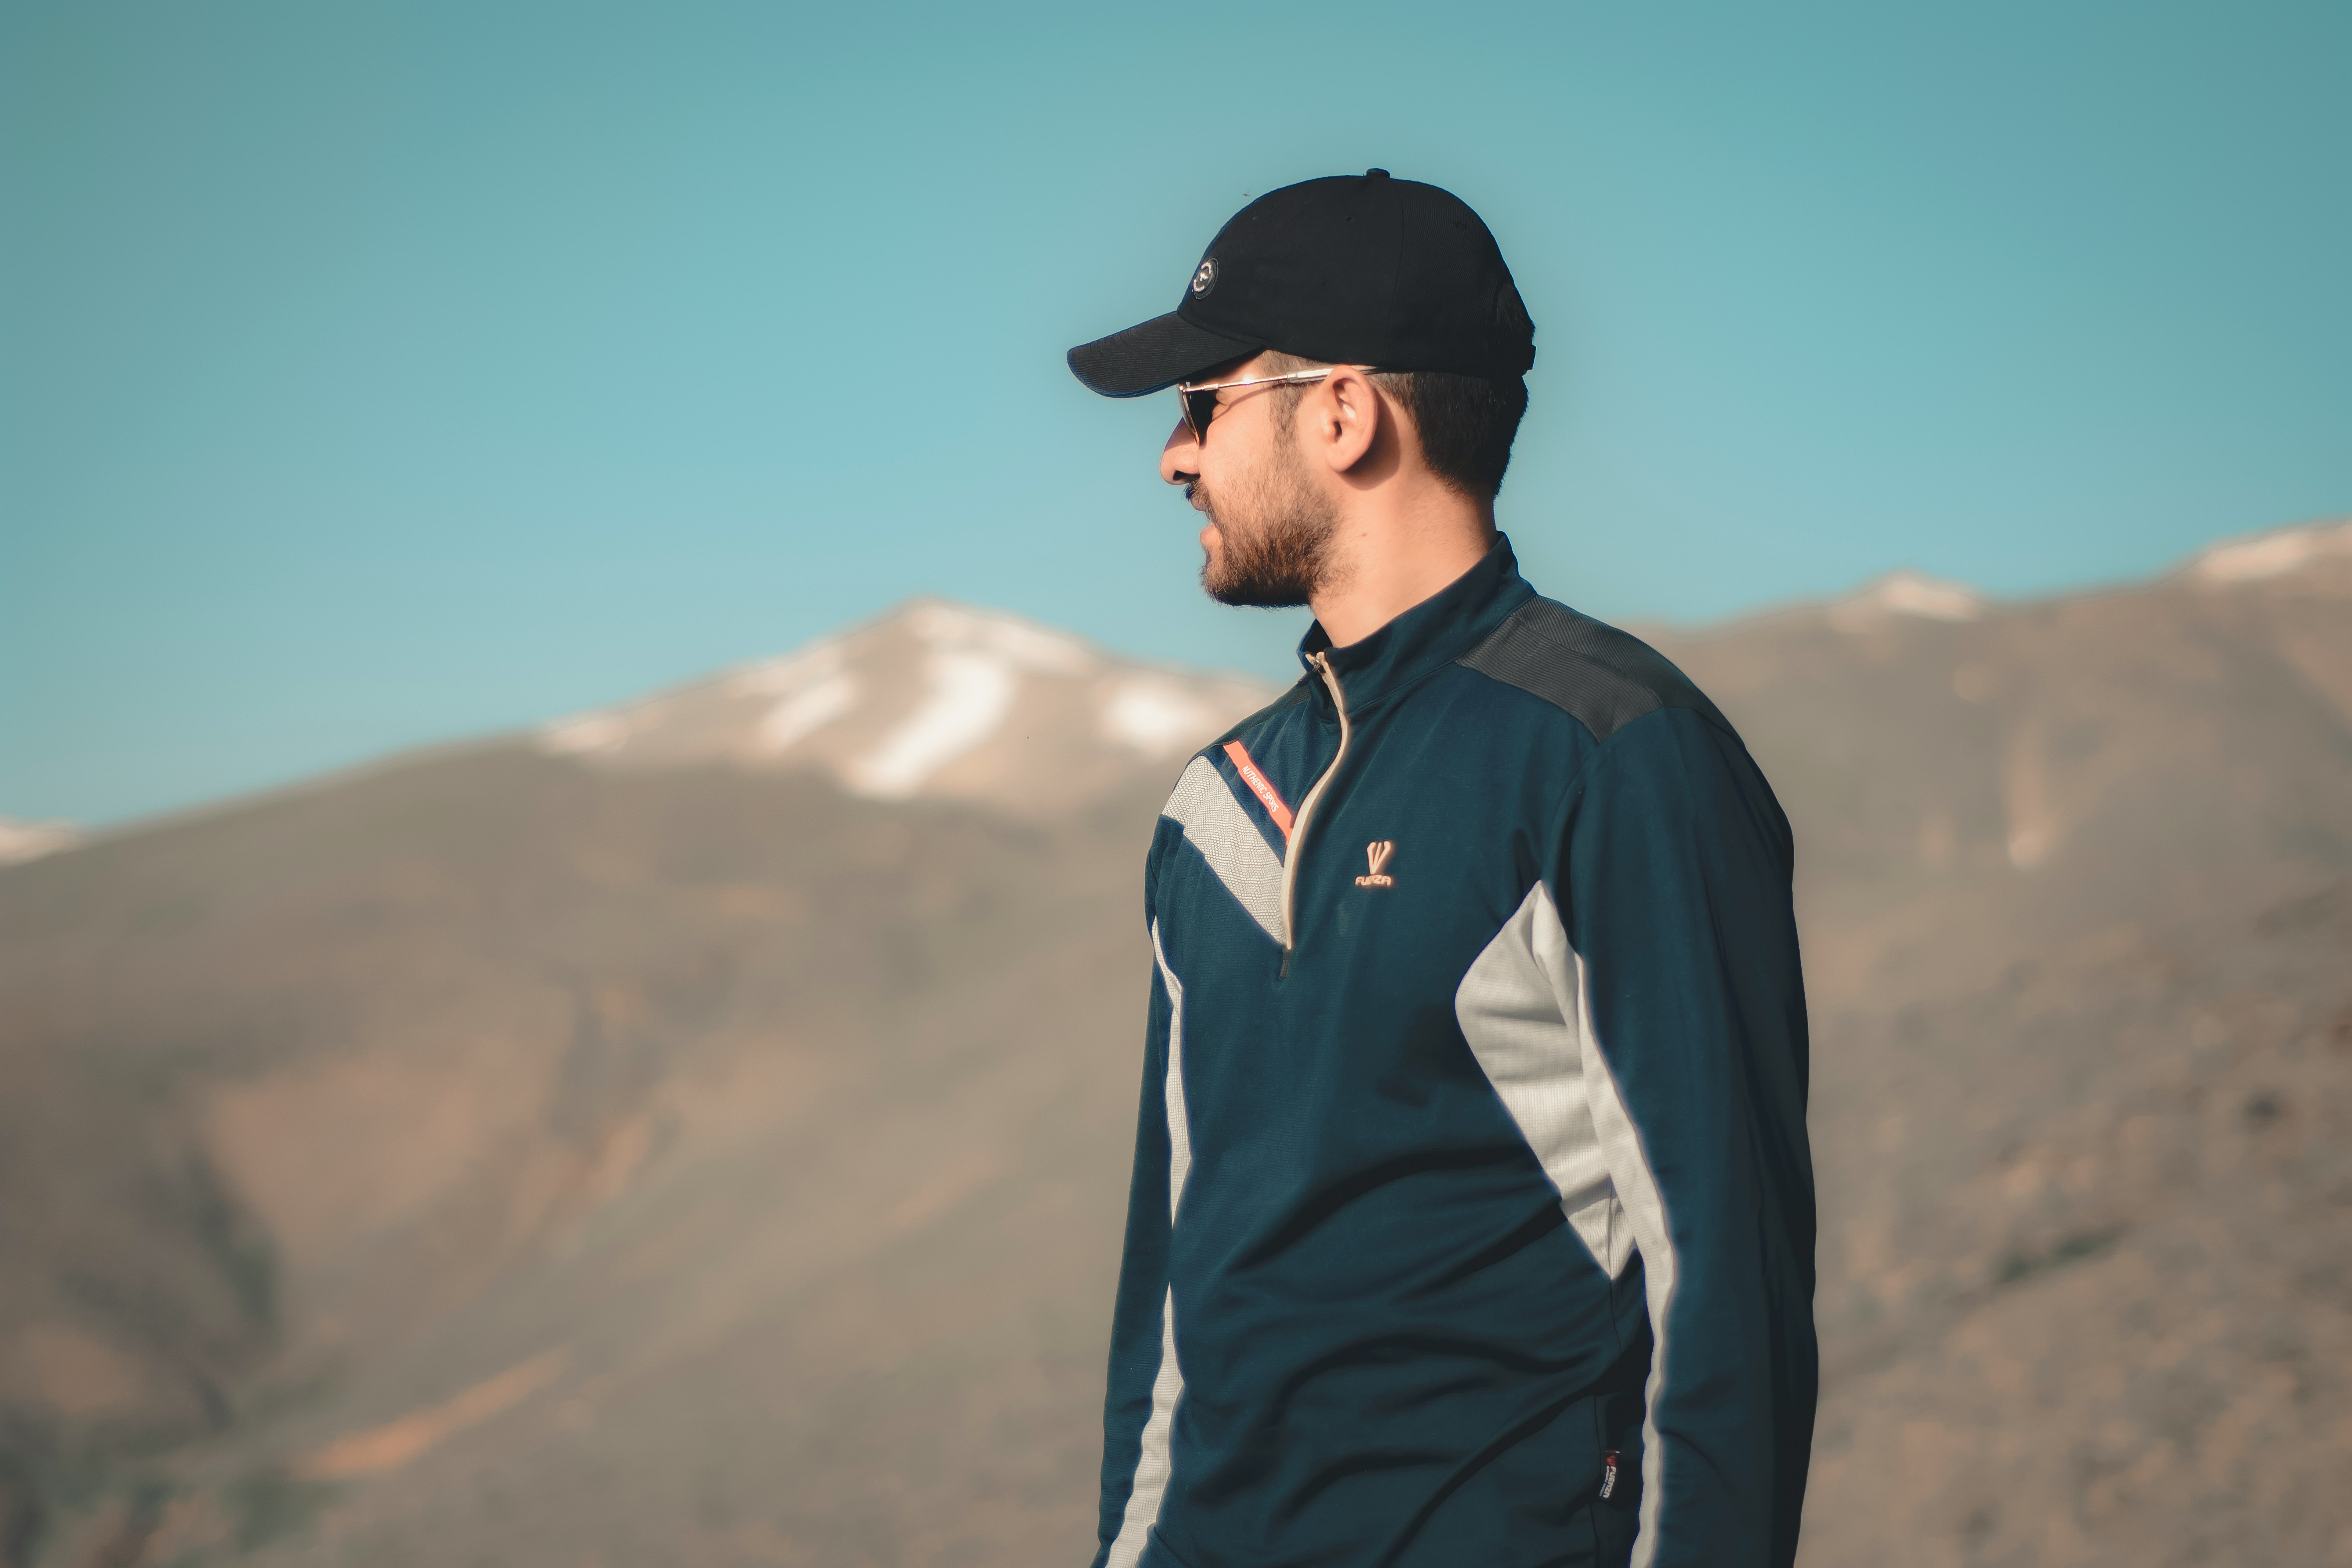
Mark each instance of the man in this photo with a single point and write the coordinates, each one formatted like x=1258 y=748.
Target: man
x=1472 y=1220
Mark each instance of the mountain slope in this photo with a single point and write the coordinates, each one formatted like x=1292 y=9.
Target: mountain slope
x=2076 y=887
x=729 y=1094
x=658 y=1140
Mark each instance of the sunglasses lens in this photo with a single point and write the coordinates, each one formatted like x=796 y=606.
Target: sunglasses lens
x=1198 y=406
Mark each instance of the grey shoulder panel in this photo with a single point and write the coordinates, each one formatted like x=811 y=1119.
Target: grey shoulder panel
x=1601 y=677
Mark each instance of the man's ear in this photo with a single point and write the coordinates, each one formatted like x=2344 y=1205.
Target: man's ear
x=1346 y=418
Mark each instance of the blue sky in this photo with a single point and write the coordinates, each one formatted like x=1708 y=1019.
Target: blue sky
x=373 y=374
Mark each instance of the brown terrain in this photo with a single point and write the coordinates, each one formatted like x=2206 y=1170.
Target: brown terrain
x=697 y=1133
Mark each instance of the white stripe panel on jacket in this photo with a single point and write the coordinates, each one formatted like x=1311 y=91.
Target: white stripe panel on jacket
x=1152 y=1465
x=1526 y=1009
x=1515 y=1010
x=1229 y=841
x=1645 y=1209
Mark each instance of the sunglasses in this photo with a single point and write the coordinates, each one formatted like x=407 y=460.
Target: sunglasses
x=1200 y=401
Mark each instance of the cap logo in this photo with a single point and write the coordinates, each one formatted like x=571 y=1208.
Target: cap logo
x=1205 y=278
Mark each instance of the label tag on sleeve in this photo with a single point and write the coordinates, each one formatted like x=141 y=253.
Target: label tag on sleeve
x=1259 y=785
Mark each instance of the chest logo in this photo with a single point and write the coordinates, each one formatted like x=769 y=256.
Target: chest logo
x=1377 y=852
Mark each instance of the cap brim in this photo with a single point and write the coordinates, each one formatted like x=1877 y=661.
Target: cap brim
x=1154 y=355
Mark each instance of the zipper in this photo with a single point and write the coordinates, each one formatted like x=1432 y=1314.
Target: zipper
x=1297 y=848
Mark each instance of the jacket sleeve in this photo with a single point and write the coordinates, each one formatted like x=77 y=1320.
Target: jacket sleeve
x=1132 y=1478
x=1674 y=874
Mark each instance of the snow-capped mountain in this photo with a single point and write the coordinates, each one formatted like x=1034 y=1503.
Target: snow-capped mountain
x=935 y=700
x=2313 y=557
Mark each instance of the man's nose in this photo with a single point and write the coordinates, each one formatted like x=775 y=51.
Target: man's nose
x=1179 y=459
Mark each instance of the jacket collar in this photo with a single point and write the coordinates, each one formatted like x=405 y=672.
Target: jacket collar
x=1424 y=638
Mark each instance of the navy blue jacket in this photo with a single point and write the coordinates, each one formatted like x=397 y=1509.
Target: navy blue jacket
x=1472 y=1220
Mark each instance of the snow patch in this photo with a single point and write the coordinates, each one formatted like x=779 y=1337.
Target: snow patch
x=22 y=841
x=974 y=669
x=2272 y=554
x=1014 y=641
x=795 y=718
x=970 y=692
x=1157 y=716
x=786 y=674
x=811 y=689
x=584 y=734
x=1907 y=593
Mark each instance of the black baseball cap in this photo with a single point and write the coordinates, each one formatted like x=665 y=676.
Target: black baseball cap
x=1353 y=270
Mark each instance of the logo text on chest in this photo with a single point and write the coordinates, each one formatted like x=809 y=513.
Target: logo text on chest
x=1377 y=853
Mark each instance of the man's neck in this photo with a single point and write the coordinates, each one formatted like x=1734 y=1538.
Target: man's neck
x=1390 y=558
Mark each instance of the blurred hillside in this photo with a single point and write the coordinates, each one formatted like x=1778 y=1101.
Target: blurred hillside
x=698 y=1132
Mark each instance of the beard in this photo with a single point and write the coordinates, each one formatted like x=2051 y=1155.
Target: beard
x=1275 y=531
